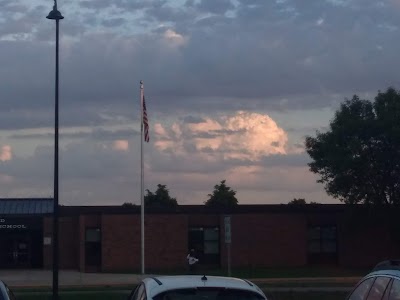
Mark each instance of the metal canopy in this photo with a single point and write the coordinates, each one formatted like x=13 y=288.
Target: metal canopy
x=32 y=206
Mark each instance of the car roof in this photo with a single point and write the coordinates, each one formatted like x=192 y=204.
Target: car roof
x=387 y=272
x=159 y=284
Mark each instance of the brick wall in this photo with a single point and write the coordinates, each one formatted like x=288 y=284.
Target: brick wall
x=166 y=241
x=68 y=243
x=258 y=240
x=266 y=240
x=120 y=242
x=366 y=247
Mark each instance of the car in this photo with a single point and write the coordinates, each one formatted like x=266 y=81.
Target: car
x=382 y=283
x=5 y=292
x=185 y=287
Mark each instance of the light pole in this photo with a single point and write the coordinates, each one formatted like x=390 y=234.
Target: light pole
x=55 y=15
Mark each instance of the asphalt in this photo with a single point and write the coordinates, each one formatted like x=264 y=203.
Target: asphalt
x=43 y=278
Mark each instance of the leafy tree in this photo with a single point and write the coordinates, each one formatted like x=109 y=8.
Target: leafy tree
x=160 y=198
x=299 y=201
x=128 y=204
x=222 y=196
x=358 y=158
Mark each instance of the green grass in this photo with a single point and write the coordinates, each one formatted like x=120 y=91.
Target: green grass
x=95 y=295
x=266 y=285
x=114 y=295
x=19 y=290
x=282 y=272
x=307 y=296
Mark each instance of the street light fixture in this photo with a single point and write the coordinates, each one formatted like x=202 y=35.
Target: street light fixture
x=55 y=15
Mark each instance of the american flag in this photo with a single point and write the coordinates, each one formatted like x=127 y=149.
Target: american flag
x=145 y=122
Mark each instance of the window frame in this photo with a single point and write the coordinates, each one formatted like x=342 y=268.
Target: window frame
x=205 y=258
x=91 y=243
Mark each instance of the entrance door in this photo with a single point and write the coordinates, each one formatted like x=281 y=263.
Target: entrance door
x=15 y=250
x=21 y=251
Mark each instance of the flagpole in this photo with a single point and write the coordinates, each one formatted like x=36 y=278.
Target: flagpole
x=141 y=179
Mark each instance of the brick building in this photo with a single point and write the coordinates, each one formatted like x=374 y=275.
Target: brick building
x=107 y=238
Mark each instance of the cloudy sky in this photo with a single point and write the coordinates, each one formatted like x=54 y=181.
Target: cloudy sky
x=232 y=88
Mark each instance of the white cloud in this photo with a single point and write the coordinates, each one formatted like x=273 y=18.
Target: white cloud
x=243 y=136
x=320 y=21
x=6 y=153
x=121 y=145
x=174 y=38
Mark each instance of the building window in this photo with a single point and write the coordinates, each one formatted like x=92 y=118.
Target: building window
x=93 y=247
x=322 y=243
x=205 y=241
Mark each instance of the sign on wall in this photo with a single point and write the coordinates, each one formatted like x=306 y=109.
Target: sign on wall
x=19 y=223
x=47 y=240
x=228 y=233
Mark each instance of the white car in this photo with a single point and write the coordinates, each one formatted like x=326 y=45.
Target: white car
x=196 y=287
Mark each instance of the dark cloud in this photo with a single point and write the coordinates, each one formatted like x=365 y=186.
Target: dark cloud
x=216 y=7
x=12 y=7
x=193 y=120
x=249 y=61
x=122 y=4
x=95 y=134
x=96 y=4
x=114 y=22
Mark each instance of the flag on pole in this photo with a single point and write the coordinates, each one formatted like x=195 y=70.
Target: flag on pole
x=145 y=122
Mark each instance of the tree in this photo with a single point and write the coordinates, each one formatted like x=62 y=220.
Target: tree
x=160 y=198
x=299 y=201
x=358 y=158
x=128 y=204
x=222 y=196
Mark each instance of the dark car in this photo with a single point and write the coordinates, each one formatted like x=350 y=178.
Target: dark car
x=383 y=283
x=5 y=292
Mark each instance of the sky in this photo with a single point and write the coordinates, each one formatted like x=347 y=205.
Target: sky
x=232 y=88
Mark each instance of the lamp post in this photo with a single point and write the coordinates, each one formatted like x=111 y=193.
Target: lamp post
x=55 y=15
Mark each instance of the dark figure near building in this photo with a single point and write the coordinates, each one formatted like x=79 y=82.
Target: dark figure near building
x=192 y=261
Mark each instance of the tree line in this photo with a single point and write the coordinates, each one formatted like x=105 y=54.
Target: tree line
x=222 y=196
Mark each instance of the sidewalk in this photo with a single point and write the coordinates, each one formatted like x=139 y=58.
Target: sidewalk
x=43 y=278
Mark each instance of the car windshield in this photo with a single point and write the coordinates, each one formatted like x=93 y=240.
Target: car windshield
x=208 y=294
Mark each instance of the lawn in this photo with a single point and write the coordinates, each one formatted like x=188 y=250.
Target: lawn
x=281 y=272
x=121 y=295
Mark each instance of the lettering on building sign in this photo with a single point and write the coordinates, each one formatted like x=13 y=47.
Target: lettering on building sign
x=3 y=225
x=12 y=226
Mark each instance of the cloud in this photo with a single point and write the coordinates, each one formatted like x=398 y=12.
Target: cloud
x=121 y=145
x=200 y=61
x=174 y=39
x=216 y=7
x=5 y=153
x=243 y=136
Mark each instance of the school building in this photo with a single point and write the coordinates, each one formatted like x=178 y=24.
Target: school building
x=107 y=238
